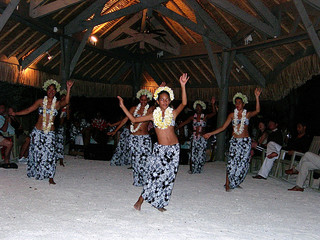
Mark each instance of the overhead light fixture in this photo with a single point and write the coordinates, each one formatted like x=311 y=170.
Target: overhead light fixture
x=248 y=39
x=159 y=54
x=93 y=40
x=49 y=56
x=55 y=29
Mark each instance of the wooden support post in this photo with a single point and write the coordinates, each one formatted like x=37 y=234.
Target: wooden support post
x=65 y=44
x=223 y=106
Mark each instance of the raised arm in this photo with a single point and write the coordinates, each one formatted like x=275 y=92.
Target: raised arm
x=66 y=101
x=220 y=129
x=122 y=122
x=257 y=93
x=28 y=110
x=183 y=81
x=214 y=110
x=130 y=116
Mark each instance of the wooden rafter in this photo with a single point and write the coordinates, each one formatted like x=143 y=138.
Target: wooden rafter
x=201 y=71
x=38 y=9
x=101 y=68
x=7 y=12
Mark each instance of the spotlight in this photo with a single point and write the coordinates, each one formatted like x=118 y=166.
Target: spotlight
x=49 y=56
x=93 y=40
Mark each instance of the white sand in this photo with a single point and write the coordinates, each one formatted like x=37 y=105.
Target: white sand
x=93 y=200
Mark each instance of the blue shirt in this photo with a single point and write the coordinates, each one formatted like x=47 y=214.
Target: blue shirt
x=10 y=130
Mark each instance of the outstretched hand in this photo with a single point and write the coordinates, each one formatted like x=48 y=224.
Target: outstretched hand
x=213 y=100
x=184 y=79
x=207 y=135
x=257 y=92
x=120 y=102
x=69 y=84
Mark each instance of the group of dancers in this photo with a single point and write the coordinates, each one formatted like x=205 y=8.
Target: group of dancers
x=154 y=167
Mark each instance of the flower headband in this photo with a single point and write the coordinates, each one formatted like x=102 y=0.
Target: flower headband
x=142 y=92
x=51 y=82
x=201 y=103
x=63 y=92
x=166 y=89
x=241 y=96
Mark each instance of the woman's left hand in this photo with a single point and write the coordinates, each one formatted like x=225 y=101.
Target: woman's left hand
x=120 y=102
x=184 y=79
x=257 y=92
x=207 y=135
x=69 y=84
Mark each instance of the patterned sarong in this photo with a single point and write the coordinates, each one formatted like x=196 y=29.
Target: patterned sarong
x=42 y=155
x=163 y=168
x=238 y=160
x=60 y=143
x=198 y=153
x=141 y=149
x=121 y=155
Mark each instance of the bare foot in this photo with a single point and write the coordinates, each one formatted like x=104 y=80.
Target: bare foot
x=291 y=171
x=138 y=204
x=272 y=155
x=51 y=181
x=61 y=162
x=296 y=188
x=162 y=209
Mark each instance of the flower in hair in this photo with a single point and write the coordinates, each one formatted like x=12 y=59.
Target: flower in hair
x=201 y=103
x=51 y=82
x=241 y=96
x=165 y=89
x=142 y=92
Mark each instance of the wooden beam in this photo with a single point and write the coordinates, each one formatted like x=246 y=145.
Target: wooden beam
x=127 y=41
x=115 y=78
x=94 y=65
x=36 y=10
x=101 y=68
x=267 y=15
x=35 y=54
x=243 y=16
x=82 y=24
x=189 y=24
x=14 y=39
x=308 y=25
x=12 y=5
x=201 y=71
x=314 y=3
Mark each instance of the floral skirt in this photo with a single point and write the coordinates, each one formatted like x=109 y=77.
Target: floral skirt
x=141 y=149
x=42 y=155
x=198 y=153
x=238 y=160
x=122 y=155
x=163 y=167
x=60 y=143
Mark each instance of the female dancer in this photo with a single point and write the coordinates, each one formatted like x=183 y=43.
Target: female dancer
x=140 y=141
x=240 y=143
x=165 y=156
x=121 y=155
x=42 y=155
x=61 y=129
x=198 y=142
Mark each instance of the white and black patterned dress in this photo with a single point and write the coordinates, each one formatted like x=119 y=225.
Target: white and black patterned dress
x=238 y=159
x=163 y=167
x=121 y=155
x=42 y=153
x=141 y=149
x=198 y=146
x=60 y=135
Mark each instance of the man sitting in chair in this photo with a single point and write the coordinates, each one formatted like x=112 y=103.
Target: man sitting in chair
x=301 y=143
x=274 y=145
x=310 y=161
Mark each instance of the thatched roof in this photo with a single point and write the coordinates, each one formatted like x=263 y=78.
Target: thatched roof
x=271 y=43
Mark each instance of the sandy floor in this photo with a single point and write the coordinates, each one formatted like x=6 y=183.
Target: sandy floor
x=93 y=200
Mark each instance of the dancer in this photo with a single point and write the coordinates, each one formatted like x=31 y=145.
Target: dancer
x=61 y=129
x=42 y=156
x=198 y=142
x=121 y=155
x=139 y=141
x=240 y=143
x=165 y=156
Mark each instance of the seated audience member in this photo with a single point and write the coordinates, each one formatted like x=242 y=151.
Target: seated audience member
x=310 y=161
x=274 y=145
x=6 y=130
x=301 y=143
x=99 y=126
x=261 y=138
x=24 y=150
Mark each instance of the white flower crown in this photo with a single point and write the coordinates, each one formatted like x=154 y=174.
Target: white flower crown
x=201 y=103
x=142 y=92
x=63 y=92
x=166 y=89
x=241 y=96
x=51 y=82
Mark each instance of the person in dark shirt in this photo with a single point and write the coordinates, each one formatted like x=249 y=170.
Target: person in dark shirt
x=275 y=141
x=301 y=143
